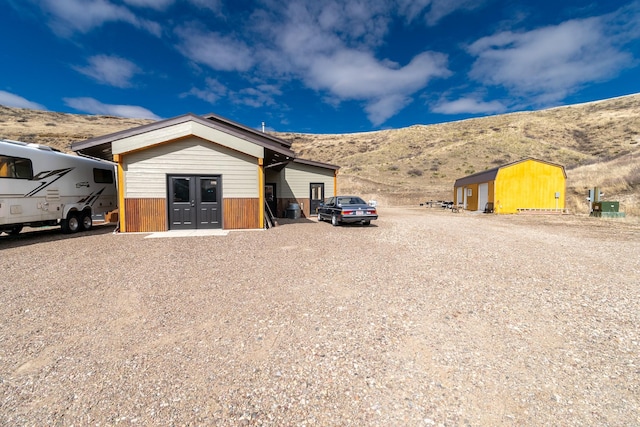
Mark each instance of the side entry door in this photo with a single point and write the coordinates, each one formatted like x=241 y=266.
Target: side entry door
x=271 y=198
x=316 y=197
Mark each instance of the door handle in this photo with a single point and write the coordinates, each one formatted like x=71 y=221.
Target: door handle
x=193 y=203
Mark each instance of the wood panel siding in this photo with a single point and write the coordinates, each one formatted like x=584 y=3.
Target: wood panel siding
x=241 y=214
x=145 y=215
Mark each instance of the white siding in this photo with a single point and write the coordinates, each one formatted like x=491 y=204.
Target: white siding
x=161 y=136
x=297 y=177
x=146 y=171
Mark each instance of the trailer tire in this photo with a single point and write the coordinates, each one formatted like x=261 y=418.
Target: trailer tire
x=85 y=221
x=71 y=224
x=15 y=230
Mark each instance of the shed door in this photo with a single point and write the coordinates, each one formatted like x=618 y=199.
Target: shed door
x=194 y=202
x=483 y=196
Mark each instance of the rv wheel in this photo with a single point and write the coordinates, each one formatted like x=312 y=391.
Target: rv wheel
x=86 y=223
x=71 y=224
x=15 y=230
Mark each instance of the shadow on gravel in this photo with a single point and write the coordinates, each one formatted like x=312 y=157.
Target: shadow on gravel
x=41 y=235
x=288 y=221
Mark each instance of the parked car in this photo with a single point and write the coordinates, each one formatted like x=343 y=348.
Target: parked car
x=347 y=209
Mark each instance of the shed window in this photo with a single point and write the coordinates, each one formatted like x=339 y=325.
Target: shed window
x=15 y=167
x=102 y=176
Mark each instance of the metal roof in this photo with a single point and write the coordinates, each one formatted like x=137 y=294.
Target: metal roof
x=277 y=150
x=490 y=174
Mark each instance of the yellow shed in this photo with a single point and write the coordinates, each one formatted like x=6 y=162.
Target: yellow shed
x=525 y=185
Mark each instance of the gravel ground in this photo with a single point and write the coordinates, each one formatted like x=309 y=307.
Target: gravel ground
x=425 y=318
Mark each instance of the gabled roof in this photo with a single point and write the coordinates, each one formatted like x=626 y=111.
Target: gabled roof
x=242 y=128
x=490 y=174
x=276 y=149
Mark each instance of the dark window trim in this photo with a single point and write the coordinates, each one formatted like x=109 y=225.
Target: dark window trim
x=13 y=160
x=102 y=176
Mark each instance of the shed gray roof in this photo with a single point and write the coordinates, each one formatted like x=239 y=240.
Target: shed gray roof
x=490 y=174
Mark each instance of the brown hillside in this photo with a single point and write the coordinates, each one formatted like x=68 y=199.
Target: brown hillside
x=598 y=143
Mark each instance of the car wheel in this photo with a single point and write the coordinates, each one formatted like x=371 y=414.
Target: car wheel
x=334 y=220
x=319 y=217
x=86 y=223
x=366 y=222
x=71 y=224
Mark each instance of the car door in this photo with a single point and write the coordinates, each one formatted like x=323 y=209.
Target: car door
x=325 y=209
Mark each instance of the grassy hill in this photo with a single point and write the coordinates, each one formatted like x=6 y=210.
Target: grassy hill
x=598 y=143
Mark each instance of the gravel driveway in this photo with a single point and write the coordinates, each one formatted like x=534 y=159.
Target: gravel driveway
x=425 y=318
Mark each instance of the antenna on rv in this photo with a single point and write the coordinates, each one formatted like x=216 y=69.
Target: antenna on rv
x=262 y=127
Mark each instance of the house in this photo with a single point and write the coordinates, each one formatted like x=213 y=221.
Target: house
x=192 y=172
x=525 y=185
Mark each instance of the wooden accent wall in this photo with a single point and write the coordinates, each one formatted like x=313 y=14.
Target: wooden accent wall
x=241 y=214
x=145 y=215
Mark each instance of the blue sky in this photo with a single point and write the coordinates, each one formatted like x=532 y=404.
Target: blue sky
x=316 y=66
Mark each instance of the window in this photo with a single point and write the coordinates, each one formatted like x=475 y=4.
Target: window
x=15 y=167
x=102 y=176
x=208 y=191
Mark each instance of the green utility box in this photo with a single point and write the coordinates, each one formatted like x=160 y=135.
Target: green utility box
x=607 y=209
x=607 y=206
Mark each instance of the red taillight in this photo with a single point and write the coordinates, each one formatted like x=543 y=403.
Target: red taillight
x=347 y=212
x=371 y=212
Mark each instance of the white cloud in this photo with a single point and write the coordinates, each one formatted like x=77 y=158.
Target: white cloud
x=69 y=16
x=151 y=4
x=214 y=5
x=469 y=105
x=212 y=93
x=432 y=11
x=441 y=8
x=385 y=87
x=219 y=52
x=549 y=63
x=259 y=96
x=110 y=70
x=381 y=109
x=256 y=96
x=93 y=106
x=351 y=74
x=12 y=100
x=327 y=50
x=329 y=46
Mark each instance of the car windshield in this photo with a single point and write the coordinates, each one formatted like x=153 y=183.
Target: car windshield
x=351 y=201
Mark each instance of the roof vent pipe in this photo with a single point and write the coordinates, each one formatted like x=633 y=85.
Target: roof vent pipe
x=262 y=127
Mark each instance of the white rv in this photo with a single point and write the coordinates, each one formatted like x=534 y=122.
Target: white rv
x=41 y=186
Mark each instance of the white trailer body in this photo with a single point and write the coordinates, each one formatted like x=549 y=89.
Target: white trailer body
x=41 y=186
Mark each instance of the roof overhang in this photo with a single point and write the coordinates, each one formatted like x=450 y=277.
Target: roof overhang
x=217 y=130
x=316 y=164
